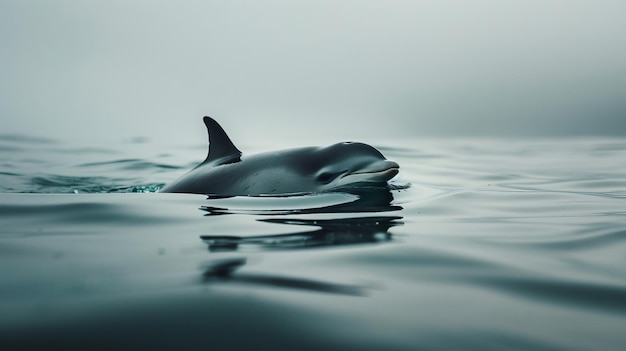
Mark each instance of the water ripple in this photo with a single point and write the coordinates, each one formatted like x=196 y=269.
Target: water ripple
x=25 y=139
x=579 y=294
x=497 y=244
x=330 y=233
x=74 y=184
x=131 y=164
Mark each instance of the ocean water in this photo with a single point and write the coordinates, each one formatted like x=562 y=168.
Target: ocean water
x=480 y=244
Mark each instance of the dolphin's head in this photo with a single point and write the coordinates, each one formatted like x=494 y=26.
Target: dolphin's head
x=349 y=164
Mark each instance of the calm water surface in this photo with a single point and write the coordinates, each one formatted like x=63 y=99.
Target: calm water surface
x=496 y=244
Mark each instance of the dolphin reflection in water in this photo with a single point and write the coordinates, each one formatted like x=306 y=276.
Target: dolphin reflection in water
x=338 y=167
x=331 y=232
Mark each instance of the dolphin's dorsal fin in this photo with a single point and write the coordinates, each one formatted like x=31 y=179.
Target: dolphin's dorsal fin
x=221 y=149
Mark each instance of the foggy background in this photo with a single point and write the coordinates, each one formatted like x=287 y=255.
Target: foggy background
x=107 y=70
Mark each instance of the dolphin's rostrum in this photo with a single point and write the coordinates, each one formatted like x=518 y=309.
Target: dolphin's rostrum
x=338 y=167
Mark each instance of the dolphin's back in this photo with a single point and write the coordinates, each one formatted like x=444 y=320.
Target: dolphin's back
x=280 y=172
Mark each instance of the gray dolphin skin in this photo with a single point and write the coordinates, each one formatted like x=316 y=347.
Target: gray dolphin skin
x=337 y=167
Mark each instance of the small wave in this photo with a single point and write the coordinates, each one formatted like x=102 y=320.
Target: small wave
x=131 y=164
x=72 y=184
x=18 y=138
x=10 y=174
x=55 y=181
x=579 y=294
x=84 y=151
x=5 y=148
x=618 y=194
x=583 y=241
x=147 y=188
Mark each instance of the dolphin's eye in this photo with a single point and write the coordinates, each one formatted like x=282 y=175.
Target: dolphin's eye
x=326 y=177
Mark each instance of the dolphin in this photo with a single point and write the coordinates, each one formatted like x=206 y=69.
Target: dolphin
x=338 y=167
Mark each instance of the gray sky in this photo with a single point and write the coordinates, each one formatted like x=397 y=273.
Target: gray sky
x=351 y=69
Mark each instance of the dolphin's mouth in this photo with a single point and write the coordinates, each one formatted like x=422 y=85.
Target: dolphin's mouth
x=377 y=172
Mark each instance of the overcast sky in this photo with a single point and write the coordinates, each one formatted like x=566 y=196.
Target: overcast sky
x=351 y=69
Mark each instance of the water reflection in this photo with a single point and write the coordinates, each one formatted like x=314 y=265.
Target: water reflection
x=331 y=232
x=224 y=271
x=356 y=200
x=347 y=228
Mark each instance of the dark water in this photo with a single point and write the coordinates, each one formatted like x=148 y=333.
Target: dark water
x=496 y=244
